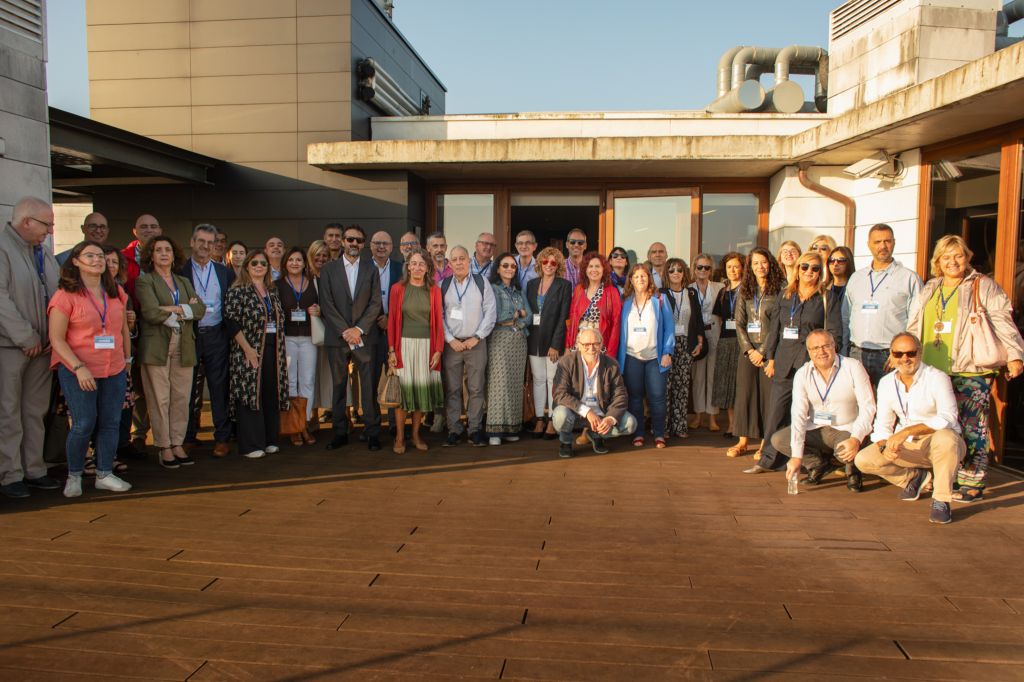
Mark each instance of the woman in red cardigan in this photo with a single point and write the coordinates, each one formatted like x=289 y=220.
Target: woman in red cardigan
x=596 y=304
x=415 y=342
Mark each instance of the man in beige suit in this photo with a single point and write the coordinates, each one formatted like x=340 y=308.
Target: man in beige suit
x=28 y=278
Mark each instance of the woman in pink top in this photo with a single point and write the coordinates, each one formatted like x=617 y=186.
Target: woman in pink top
x=91 y=349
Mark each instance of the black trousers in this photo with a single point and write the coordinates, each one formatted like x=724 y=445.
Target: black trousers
x=819 y=446
x=212 y=349
x=363 y=358
x=259 y=428
x=778 y=417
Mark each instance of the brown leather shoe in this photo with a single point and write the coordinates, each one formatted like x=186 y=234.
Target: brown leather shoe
x=221 y=449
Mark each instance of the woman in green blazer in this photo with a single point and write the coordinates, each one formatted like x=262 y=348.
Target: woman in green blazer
x=170 y=310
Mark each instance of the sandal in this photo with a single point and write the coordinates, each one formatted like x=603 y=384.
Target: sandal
x=736 y=451
x=168 y=463
x=968 y=495
x=120 y=467
x=660 y=443
x=638 y=442
x=90 y=466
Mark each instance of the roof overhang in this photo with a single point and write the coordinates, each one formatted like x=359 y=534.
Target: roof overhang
x=982 y=94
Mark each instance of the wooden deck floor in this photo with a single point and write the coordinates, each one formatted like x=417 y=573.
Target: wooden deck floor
x=508 y=563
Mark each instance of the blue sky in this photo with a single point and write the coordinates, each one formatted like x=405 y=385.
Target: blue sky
x=543 y=55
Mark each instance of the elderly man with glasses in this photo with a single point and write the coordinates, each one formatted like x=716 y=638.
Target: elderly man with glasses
x=833 y=406
x=589 y=389
x=28 y=278
x=482 y=262
x=920 y=400
x=526 y=245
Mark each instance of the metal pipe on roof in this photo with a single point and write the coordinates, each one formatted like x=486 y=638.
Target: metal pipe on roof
x=760 y=56
x=788 y=97
x=848 y=204
x=748 y=96
x=725 y=71
x=1012 y=12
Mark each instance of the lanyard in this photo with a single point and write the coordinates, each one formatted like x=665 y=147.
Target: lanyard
x=511 y=296
x=794 y=307
x=200 y=283
x=903 y=408
x=701 y=299
x=871 y=281
x=732 y=302
x=298 y=294
x=462 y=293
x=176 y=295
x=103 y=314
x=589 y=382
x=758 y=299
x=832 y=381
x=522 y=273
x=677 y=296
x=381 y=271
x=640 y=308
x=266 y=302
x=37 y=251
x=944 y=300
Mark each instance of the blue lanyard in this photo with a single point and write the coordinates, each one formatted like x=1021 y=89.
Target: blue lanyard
x=944 y=300
x=270 y=310
x=794 y=307
x=298 y=294
x=871 y=280
x=37 y=251
x=732 y=302
x=381 y=271
x=588 y=382
x=174 y=294
x=758 y=298
x=199 y=283
x=464 y=289
x=521 y=273
x=701 y=299
x=832 y=381
x=103 y=315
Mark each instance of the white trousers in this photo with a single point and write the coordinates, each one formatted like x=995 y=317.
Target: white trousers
x=543 y=371
x=302 y=367
x=703 y=372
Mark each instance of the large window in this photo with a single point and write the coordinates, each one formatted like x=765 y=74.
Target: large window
x=640 y=221
x=462 y=217
x=728 y=223
x=965 y=202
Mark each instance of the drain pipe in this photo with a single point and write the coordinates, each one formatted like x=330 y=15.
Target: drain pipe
x=847 y=202
x=1012 y=12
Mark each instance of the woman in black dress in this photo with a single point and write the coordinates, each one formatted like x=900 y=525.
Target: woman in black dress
x=689 y=333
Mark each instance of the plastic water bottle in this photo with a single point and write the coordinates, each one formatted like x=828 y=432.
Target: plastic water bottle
x=791 y=486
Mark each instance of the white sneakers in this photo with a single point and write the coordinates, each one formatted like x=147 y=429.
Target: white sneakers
x=494 y=440
x=73 y=488
x=271 y=449
x=255 y=454
x=109 y=482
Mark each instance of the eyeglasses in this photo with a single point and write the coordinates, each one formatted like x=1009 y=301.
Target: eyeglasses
x=824 y=346
x=42 y=222
x=898 y=354
x=91 y=256
x=408 y=243
x=576 y=242
x=489 y=245
x=507 y=266
x=258 y=263
x=822 y=247
x=807 y=266
x=549 y=261
x=838 y=260
x=380 y=243
x=355 y=240
x=702 y=267
x=594 y=344
x=525 y=243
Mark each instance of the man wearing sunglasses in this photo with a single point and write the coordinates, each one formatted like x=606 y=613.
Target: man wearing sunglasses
x=877 y=303
x=833 y=406
x=920 y=400
x=482 y=262
x=576 y=245
x=350 y=301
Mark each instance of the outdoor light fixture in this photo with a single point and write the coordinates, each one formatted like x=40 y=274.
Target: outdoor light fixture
x=877 y=164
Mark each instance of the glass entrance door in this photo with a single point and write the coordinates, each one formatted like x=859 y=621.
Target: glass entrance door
x=638 y=218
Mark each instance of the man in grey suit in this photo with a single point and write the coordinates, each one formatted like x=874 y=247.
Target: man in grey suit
x=350 y=301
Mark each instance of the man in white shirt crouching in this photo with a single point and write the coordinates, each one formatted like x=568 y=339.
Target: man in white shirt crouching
x=833 y=406
x=920 y=398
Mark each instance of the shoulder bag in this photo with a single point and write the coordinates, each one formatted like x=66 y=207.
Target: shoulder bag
x=316 y=322
x=980 y=340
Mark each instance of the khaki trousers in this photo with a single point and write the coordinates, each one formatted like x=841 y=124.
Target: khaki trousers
x=941 y=452
x=168 y=395
x=24 y=400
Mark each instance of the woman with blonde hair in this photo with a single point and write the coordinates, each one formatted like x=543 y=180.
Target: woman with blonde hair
x=703 y=370
x=822 y=245
x=317 y=256
x=548 y=296
x=956 y=297
x=802 y=308
x=789 y=252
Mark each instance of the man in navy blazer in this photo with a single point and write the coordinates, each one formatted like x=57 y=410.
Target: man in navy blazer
x=211 y=281
x=390 y=271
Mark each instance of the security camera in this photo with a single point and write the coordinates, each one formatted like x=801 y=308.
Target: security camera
x=876 y=164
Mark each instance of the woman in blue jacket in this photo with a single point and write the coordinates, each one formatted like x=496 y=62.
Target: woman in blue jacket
x=646 y=344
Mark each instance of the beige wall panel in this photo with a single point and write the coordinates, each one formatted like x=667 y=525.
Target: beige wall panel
x=134 y=11
x=267 y=89
x=325 y=116
x=316 y=8
x=321 y=57
x=216 y=10
x=148 y=121
x=245 y=147
x=244 y=118
x=183 y=141
x=236 y=61
x=112 y=37
x=243 y=32
x=140 y=92
x=333 y=29
x=334 y=86
x=285 y=168
x=138 y=64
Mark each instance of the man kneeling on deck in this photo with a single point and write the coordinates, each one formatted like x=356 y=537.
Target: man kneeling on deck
x=588 y=386
x=921 y=399
x=833 y=406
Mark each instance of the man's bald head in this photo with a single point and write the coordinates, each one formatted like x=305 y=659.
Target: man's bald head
x=146 y=227
x=96 y=227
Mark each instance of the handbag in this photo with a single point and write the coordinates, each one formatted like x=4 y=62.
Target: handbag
x=316 y=322
x=389 y=390
x=293 y=420
x=981 y=343
x=529 y=413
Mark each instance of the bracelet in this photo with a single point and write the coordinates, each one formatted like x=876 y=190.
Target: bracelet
x=78 y=367
x=129 y=360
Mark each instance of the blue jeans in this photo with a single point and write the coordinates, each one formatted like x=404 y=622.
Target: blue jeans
x=564 y=420
x=645 y=379
x=98 y=410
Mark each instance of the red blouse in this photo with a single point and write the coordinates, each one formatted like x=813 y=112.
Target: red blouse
x=610 y=306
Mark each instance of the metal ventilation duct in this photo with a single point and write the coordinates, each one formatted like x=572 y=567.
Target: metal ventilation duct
x=380 y=89
x=740 y=68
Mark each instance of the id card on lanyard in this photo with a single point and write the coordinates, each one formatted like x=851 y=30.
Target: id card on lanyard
x=823 y=416
x=102 y=341
x=791 y=332
x=298 y=314
x=271 y=327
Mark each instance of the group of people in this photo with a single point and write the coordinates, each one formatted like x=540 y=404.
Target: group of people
x=795 y=347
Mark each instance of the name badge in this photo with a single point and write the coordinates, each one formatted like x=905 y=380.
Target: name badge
x=753 y=327
x=680 y=330
x=103 y=342
x=639 y=330
x=456 y=313
x=590 y=401
x=869 y=308
x=298 y=316
x=823 y=418
x=791 y=333
x=730 y=324
x=536 y=319
x=271 y=327
x=944 y=327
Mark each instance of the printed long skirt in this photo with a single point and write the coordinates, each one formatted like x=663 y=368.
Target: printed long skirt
x=723 y=394
x=678 y=389
x=421 y=386
x=506 y=373
x=973 y=395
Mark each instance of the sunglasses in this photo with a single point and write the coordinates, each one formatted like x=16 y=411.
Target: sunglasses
x=549 y=261
x=354 y=240
x=807 y=266
x=898 y=354
x=258 y=263
x=575 y=242
x=507 y=266
x=822 y=247
x=616 y=255
x=838 y=260
x=680 y=271
x=702 y=267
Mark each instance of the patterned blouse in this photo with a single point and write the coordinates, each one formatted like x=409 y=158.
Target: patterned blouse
x=592 y=315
